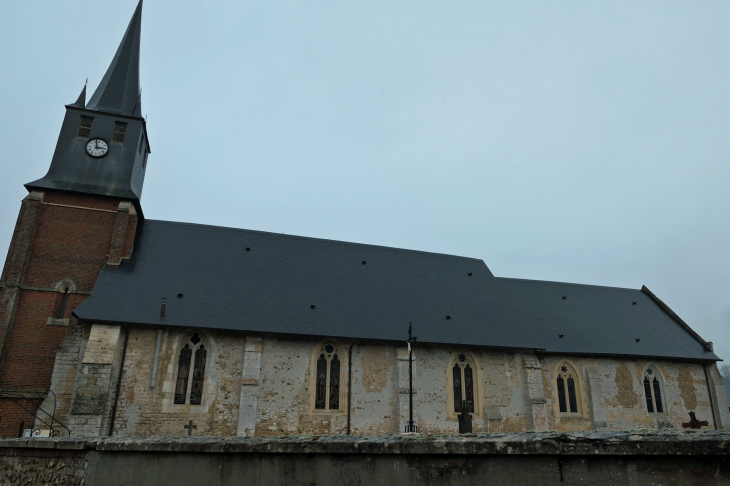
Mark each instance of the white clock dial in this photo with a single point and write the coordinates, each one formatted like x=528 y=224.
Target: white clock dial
x=97 y=147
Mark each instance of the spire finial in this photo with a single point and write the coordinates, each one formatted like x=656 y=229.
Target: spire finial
x=118 y=91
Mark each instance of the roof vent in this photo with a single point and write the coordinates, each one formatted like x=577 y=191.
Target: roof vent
x=248 y=249
x=312 y=306
x=564 y=297
x=448 y=317
x=638 y=339
x=633 y=303
x=162 y=309
x=560 y=336
x=364 y=262
x=469 y=274
x=179 y=296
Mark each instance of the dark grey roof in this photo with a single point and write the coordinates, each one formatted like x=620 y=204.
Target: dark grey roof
x=271 y=288
x=601 y=320
x=118 y=92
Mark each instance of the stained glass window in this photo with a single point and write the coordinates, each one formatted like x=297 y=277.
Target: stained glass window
x=327 y=380
x=334 y=383
x=567 y=391
x=183 y=371
x=463 y=382
x=192 y=355
x=653 y=392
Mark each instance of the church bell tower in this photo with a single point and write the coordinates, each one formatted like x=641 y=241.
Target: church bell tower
x=80 y=217
x=103 y=146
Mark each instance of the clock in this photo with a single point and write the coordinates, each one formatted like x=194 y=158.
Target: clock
x=97 y=147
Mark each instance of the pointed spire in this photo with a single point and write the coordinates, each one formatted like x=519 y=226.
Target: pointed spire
x=118 y=91
x=81 y=101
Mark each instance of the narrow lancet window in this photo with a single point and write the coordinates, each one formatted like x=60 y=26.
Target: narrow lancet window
x=327 y=379
x=335 y=383
x=196 y=393
x=653 y=391
x=183 y=371
x=561 y=395
x=193 y=357
x=64 y=302
x=321 y=392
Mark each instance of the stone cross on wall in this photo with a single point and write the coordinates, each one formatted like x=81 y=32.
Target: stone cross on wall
x=694 y=423
x=190 y=427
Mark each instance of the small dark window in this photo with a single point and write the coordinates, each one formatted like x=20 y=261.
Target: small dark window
x=321 y=391
x=85 y=126
x=119 y=129
x=64 y=302
x=183 y=371
x=561 y=395
x=334 y=383
x=196 y=393
x=457 y=388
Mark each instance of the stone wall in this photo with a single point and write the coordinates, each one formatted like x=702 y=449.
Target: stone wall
x=631 y=458
x=260 y=386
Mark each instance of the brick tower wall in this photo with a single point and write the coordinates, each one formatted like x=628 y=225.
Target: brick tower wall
x=61 y=241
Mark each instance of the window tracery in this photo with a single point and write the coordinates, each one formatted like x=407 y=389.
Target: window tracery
x=327 y=380
x=192 y=356
x=566 y=382
x=653 y=391
x=463 y=382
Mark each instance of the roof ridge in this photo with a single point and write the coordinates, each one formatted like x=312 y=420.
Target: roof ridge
x=284 y=235
x=567 y=283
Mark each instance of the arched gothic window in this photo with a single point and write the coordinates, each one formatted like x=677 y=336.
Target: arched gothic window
x=327 y=385
x=567 y=381
x=463 y=378
x=189 y=386
x=653 y=391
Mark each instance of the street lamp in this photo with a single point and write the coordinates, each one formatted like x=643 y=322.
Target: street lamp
x=411 y=339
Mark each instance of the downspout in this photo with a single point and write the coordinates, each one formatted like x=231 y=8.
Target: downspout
x=349 y=385
x=119 y=383
x=709 y=390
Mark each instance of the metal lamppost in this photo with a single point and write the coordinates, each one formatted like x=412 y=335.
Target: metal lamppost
x=411 y=339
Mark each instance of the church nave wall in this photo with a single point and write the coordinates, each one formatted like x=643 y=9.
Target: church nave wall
x=272 y=386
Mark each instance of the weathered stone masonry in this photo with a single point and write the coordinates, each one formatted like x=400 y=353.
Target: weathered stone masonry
x=258 y=385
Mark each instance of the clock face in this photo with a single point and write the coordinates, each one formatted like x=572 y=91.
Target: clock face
x=97 y=147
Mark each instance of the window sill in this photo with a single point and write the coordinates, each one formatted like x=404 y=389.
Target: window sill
x=319 y=411
x=570 y=415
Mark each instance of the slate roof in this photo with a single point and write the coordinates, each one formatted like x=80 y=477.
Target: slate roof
x=271 y=287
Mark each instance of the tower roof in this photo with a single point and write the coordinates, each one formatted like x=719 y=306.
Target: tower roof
x=118 y=91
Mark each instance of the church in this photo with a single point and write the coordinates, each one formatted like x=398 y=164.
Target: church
x=113 y=324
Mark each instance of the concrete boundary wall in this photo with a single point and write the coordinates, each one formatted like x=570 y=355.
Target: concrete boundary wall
x=628 y=458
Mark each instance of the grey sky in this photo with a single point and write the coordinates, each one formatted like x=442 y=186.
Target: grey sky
x=572 y=141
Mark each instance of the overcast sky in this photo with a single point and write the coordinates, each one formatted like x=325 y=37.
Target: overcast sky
x=573 y=141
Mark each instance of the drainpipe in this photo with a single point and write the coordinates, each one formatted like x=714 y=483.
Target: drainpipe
x=119 y=382
x=349 y=386
x=709 y=390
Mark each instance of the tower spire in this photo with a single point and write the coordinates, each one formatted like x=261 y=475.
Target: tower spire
x=118 y=91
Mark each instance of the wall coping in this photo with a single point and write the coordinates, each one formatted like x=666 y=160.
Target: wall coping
x=644 y=442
